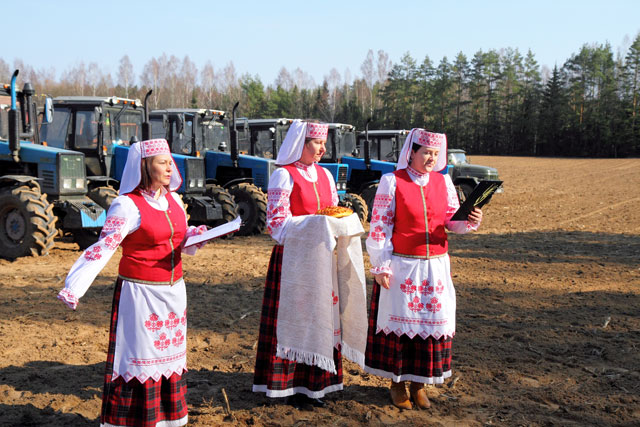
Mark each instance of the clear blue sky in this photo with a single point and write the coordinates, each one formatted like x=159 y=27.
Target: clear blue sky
x=262 y=36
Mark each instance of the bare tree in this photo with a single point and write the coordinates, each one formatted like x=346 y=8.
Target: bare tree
x=333 y=83
x=151 y=78
x=303 y=80
x=125 y=74
x=383 y=66
x=94 y=76
x=369 y=78
x=208 y=80
x=284 y=80
x=188 y=80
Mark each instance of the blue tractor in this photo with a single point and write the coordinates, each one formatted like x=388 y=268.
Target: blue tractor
x=264 y=137
x=41 y=187
x=208 y=134
x=102 y=128
x=376 y=154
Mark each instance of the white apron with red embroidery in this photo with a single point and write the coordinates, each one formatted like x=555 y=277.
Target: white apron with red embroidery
x=151 y=331
x=421 y=299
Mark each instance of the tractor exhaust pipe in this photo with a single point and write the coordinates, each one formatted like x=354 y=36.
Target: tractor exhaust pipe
x=146 y=125
x=367 y=152
x=14 y=124
x=234 y=136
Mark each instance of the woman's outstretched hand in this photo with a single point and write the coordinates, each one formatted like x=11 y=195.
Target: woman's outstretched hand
x=475 y=216
x=382 y=279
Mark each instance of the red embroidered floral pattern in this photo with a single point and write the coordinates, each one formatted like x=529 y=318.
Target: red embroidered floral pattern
x=375 y=215
x=162 y=342
x=93 y=254
x=377 y=234
x=112 y=242
x=153 y=324
x=278 y=208
x=387 y=218
x=408 y=287
x=334 y=297
x=425 y=288
x=434 y=305
x=172 y=322
x=382 y=201
x=178 y=339
x=439 y=287
x=112 y=223
x=415 y=305
x=183 y=319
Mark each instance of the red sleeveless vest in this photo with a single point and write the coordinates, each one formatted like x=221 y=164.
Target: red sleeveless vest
x=152 y=253
x=308 y=197
x=418 y=231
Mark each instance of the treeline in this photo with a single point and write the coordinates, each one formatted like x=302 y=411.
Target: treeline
x=496 y=102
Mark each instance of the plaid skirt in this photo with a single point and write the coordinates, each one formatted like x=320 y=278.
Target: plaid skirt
x=402 y=358
x=152 y=403
x=279 y=377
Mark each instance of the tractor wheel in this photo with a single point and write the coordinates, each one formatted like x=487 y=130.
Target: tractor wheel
x=225 y=200
x=85 y=237
x=103 y=196
x=369 y=194
x=27 y=222
x=463 y=191
x=252 y=208
x=356 y=204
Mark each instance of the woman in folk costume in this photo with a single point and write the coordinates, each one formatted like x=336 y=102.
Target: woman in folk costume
x=297 y=190
x=143 y=384
x=413 y=303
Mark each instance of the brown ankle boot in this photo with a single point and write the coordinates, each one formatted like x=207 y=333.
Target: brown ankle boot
x=399 y=395
x=419 y=395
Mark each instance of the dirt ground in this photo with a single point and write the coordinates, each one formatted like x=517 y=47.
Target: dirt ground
x=548 y=319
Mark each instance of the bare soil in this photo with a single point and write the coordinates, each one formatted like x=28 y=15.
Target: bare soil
x=548 y=313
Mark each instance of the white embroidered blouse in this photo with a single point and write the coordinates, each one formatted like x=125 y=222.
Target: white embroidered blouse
x=123 y=218
x=279 y=193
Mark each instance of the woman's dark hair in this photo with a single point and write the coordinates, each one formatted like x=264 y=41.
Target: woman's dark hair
x=415 y=147
x=145 y=176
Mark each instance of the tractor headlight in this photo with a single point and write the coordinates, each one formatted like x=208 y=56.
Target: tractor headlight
x=192 y=183
x=66 y=183
x=200 y=182
x=79 y=183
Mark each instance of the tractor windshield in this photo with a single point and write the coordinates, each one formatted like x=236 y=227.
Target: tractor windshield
x=127 y=125
x=216 y=135
x=347 y=143
x=388 y=149
x=263 y=145
x=54 y=134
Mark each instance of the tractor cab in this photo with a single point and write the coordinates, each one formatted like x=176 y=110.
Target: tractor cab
x=95 y=126
x=43 y=189
x=191 y=131
x=384 y=145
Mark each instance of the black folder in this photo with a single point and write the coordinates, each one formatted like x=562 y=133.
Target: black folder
x=478 y=198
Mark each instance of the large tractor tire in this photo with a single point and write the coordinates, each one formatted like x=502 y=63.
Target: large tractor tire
x=369 y=195
x=27 y=222
x=103 y=196
x=225 y=200
x=356 y=204
x=252 y=208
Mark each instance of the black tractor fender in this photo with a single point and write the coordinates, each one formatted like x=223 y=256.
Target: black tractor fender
x=237 y=181
x=102 y=181
x=367 y=184
x=18 y=179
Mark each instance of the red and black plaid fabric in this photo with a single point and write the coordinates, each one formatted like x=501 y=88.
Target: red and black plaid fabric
x=402 y=355
x=139 y=404
x=272 y=371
